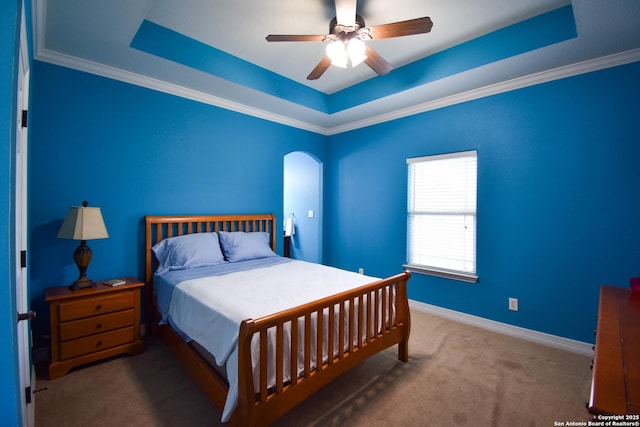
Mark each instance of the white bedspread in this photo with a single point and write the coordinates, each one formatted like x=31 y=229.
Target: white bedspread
x=210 y=309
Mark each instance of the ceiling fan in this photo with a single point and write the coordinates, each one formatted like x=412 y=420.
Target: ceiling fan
x=347 y=36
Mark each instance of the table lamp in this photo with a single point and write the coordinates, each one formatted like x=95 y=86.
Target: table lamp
x=83 y=223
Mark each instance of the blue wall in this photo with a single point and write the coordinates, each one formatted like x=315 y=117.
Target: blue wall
x=133 y=151
x=9 y=45
x=558 y=185
x=558 y=205
x=557 y=182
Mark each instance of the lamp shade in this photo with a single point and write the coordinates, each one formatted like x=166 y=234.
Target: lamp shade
x=83 y=223
x=337 y=53
x=356 y=49
x=344 y=53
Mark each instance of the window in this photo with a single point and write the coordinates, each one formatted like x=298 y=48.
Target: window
x=441 y=215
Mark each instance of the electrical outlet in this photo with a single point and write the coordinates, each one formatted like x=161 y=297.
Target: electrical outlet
x=361 y=270
x=513 y=304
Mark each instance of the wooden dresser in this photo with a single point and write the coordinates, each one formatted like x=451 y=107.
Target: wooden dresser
x=615 y=388
x=91 y=324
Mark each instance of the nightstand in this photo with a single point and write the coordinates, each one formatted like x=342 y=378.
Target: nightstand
x=92 y=324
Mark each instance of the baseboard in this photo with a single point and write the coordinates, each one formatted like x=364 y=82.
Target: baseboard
x=579 y=347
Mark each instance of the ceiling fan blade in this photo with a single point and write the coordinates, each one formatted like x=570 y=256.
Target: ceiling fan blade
x=320 y=68
x=402 y=28
x=294 y=38
x=376 y=62
x=346 y=12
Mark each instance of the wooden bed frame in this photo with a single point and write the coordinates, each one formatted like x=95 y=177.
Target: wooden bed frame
x=267 y=405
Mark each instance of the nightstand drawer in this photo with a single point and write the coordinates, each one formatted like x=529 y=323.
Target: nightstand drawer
x=93 y=343
x=93 y=325
x=94 y=306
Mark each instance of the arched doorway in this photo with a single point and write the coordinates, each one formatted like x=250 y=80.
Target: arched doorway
x=302 y=201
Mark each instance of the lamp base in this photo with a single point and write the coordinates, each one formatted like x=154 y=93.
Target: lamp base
x=81 y=283
x=82 y=257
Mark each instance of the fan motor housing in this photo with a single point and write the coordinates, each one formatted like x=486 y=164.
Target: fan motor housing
x=335 y=28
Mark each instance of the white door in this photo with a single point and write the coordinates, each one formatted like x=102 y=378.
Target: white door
x=22 y=293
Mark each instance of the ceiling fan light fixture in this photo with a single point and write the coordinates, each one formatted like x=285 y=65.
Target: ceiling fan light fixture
x=345 y=53
x=337 y=53
x=356 y=49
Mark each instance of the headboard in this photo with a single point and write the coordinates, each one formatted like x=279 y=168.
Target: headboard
x=162 y=227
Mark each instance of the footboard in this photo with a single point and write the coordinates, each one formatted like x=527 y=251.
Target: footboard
x=336 y=333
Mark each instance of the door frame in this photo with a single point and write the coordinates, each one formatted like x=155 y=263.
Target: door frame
x=25 y=360
x=303 y=203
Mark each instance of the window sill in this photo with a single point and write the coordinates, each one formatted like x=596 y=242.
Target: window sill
x=439 y=272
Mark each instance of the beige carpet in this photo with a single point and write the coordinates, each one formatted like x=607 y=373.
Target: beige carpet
x=457 y=375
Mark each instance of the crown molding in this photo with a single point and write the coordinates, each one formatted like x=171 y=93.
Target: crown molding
x=591 y=65
x=169 y=88
x=588 y=66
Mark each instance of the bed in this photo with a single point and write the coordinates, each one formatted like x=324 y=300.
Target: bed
x=264 y=357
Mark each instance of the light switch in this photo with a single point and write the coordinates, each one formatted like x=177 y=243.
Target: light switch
x=310 y=213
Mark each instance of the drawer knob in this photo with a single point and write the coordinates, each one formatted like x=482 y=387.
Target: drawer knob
x=99 y=325
x=98 y=307
x=99 y=343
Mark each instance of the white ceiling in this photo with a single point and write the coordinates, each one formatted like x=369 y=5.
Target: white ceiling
x=95 y=36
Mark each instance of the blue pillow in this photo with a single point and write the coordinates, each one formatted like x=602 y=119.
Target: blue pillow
x=188 y=251
x=242 y=246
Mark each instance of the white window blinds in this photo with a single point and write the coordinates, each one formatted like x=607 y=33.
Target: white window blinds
x=442 y=200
